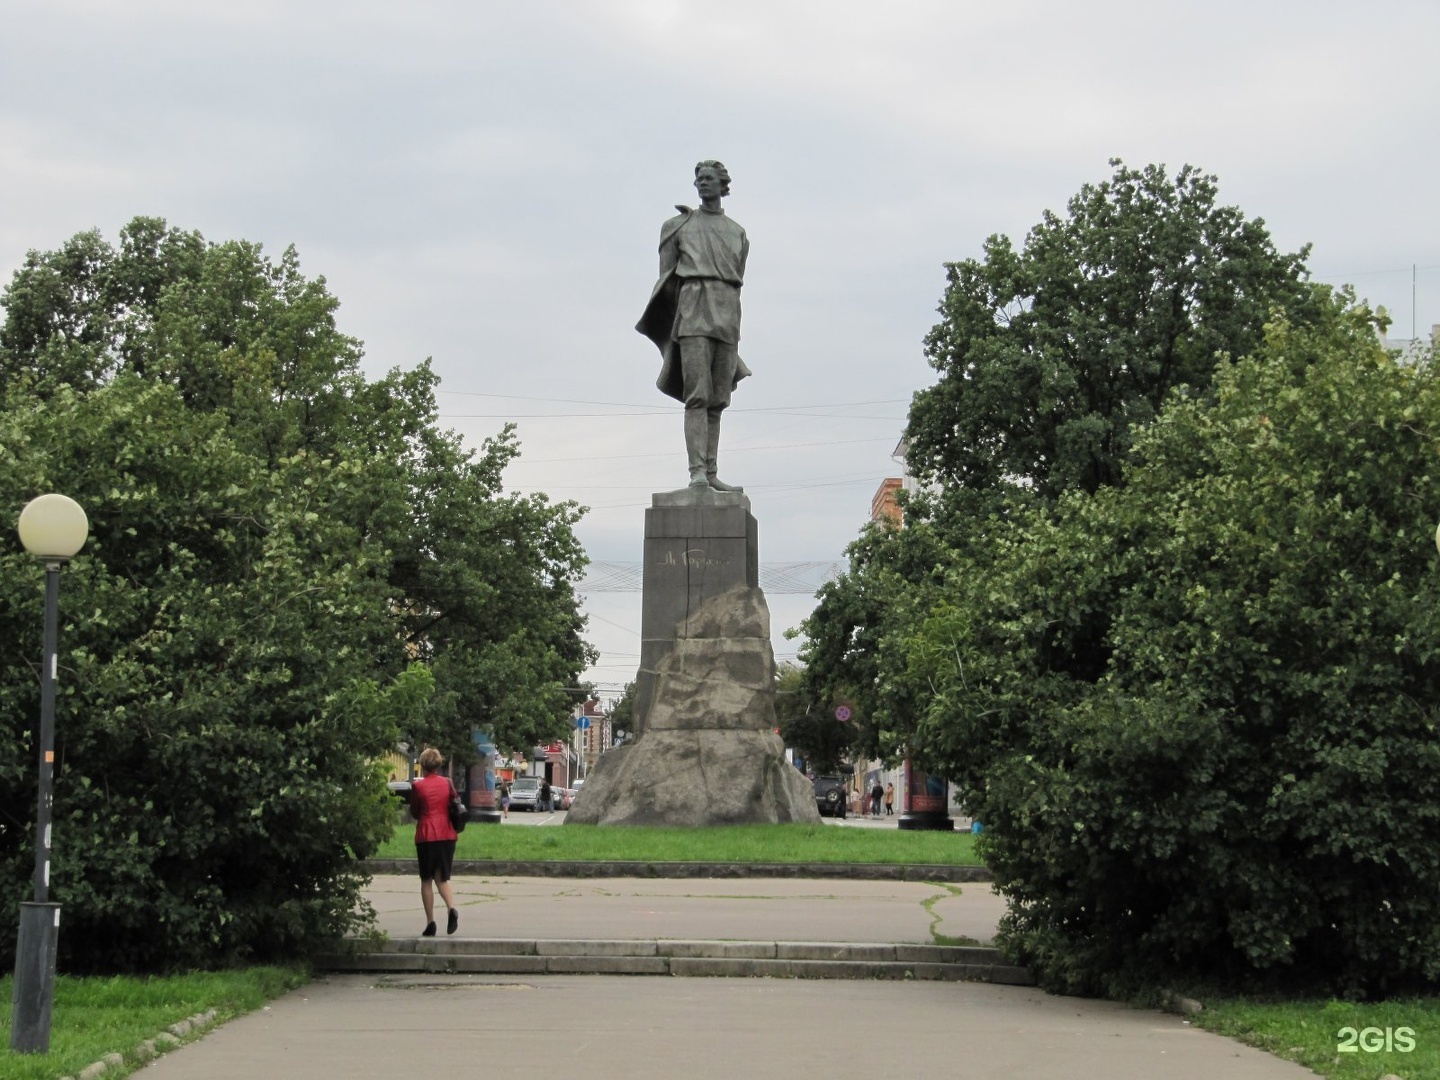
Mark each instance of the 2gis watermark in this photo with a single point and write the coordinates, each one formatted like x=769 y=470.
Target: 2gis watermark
x=1372 y=1040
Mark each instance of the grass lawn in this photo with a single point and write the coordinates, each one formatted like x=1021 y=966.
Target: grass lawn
x=1314 y=1032
x=97 y=1016
x=723 y=844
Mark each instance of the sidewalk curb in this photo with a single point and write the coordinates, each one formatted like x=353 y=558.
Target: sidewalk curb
x=172 y=1037
x=682 y=958
x=582 y=869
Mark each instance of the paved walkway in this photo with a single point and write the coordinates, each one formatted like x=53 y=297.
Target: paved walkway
x=649 y=1028
x=637 y=1028
x=741 y=909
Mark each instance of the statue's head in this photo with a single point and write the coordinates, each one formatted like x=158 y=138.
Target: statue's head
x=716 y=167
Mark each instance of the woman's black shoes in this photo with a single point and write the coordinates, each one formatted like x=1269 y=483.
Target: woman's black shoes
x=450 y=925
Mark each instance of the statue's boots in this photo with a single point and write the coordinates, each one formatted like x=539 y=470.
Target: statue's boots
x=695 y=442
x=712 y=451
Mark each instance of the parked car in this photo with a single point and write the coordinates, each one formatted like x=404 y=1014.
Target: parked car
x=525 y=793
x=830 y=796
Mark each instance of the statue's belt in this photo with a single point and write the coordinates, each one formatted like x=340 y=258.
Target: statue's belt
x=727 y=281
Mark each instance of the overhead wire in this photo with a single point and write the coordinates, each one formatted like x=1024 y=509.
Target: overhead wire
x=728 y=451
x=632 y=405
x=1370 y=273
x=817 y=481
x=668 y=412
x=650 y=409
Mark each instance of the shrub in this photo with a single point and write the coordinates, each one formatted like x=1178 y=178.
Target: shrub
x=1198 y=712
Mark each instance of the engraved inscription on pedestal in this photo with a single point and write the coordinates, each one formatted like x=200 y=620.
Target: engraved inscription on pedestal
x=692 y=552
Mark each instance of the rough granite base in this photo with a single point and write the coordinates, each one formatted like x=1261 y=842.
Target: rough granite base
x=696 y=778
x=709 y=754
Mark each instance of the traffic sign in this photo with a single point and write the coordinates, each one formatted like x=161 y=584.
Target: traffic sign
x=582 y=722
x=842 y=713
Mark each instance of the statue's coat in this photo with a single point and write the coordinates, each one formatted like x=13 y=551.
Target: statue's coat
x=658 y=320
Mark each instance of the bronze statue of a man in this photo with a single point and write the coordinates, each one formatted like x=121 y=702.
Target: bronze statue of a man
x=694 y=317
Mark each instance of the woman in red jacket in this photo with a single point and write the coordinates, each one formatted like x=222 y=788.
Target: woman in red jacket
x=430 y=797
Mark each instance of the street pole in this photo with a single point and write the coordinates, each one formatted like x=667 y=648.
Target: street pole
x=52 y=528
x=34 y=992
x=45 y=799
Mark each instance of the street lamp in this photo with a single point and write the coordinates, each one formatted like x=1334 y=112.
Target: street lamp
x=52 y=528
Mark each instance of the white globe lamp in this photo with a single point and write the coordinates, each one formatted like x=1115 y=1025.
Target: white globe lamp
x=53 y=527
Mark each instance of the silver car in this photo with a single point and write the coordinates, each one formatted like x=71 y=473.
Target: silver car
x=525 y=793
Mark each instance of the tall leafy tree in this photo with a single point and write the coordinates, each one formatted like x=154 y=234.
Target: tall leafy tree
x=1051 y=356
x=1197 y=712
x=851 y=636
x=1050 y=359
x=291 y=567
x=821 y=739
x=622 y=712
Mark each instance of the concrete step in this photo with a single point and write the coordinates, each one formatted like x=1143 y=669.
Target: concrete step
x=773 y=959
x=615 y=869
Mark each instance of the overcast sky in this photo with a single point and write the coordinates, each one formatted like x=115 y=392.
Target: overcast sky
x=483 y=183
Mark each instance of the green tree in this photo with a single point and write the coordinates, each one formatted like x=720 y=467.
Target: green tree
x=290 y=567
x=622 y=713
x=850 y=638
x=1197 y=712
x=821 y=740
x=1050 y=357
x=488 y=581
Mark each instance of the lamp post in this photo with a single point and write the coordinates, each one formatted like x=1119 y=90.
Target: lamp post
x=52 y=528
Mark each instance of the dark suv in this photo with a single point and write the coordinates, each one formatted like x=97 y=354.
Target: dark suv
x=830 y=797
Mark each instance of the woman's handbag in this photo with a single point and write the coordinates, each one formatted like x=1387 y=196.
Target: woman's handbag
x=458 y=818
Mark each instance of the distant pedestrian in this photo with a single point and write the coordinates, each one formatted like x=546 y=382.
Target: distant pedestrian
x=890 y=799
x=430 y=798
x=504 y=800
x=547 y=795
x=876 y=794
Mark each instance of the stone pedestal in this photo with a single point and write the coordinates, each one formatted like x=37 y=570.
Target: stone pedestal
x=698 y=544
x=708 y=754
